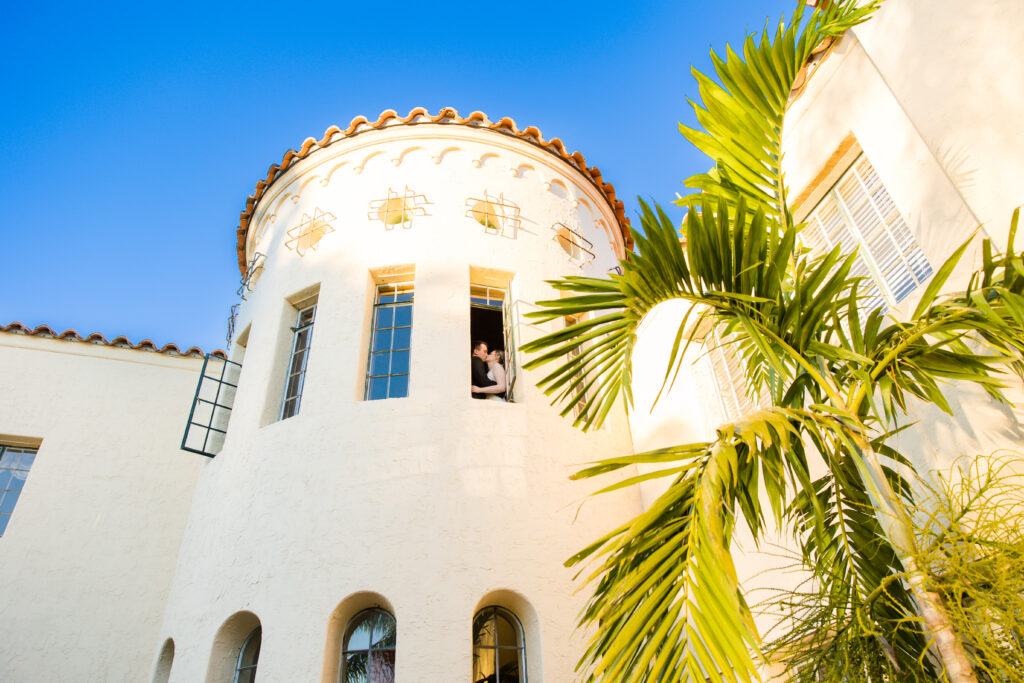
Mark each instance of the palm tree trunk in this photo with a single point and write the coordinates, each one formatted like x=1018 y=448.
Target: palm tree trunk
x=892 y=515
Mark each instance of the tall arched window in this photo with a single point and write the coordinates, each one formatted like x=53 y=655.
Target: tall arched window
x=248 y=656
x=499 y=651
x=368 y=654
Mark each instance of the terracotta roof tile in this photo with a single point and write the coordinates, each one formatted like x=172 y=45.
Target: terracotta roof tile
x=419 y=115
x=120 y=341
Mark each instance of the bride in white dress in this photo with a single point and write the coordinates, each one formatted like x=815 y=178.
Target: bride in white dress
x=495 y=373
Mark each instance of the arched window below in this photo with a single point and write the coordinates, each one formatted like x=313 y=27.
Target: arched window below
x=499 y=651
x=368 y=653
x=248 y=656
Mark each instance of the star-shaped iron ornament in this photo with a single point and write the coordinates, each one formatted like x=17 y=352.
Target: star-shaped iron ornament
x=308 y=233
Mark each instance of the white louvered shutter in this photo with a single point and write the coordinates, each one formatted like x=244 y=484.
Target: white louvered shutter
x=858 y=212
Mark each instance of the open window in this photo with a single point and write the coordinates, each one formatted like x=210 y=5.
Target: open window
x=492 y=317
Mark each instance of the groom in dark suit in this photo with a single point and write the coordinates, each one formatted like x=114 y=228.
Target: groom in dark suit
x=478 y=368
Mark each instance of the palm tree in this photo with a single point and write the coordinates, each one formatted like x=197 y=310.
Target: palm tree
x=666 y=603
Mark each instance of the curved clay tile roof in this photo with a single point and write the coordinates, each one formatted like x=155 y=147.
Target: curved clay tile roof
x=97 y=338
x=447 y=115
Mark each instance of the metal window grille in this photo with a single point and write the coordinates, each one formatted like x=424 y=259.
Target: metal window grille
x=15 y=462
x=253 y=271
x=578 y=247
x=498 y=216
x=211 y=407
x=387 y=372
x=297 y=362
x=859 y=213
x=310 y=230
x=499 y=649
x=232 y=321
x=398 y=209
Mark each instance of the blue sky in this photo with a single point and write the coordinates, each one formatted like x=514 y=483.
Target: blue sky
x=132 y=134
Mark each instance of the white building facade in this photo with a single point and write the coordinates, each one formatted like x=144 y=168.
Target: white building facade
x=348 y=502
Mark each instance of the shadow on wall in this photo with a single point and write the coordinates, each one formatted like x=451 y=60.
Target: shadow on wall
x=162 y=669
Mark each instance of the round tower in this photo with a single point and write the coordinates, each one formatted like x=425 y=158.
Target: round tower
x=364 y=509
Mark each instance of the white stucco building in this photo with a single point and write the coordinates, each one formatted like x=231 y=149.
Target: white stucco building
x=346 y=503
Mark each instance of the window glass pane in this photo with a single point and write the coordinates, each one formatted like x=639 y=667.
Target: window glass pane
x=382 y=666
x=379 y=364
x=17 y=480
x=401 y=338
x=3 y=523
x=403 y=316
x=382 y=339
x=377 y=389
x=483 y=666
x=508 y=666
x=483 y=629
x=399 y=386
x=5 y=478
x=355 y=668
x=507 y=633
x=400 y=363
x=290 y=408
x=9 y=457
x=359 y=636
x=383 y=630
x=385 y=317
x=251 y=653
x=8 y=502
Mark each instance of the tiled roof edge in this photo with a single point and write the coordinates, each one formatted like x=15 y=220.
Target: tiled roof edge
x=420 y=115
x=120 y=341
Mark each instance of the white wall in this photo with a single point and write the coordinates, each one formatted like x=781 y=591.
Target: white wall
x=956 y=69
x=86 y=561
x=433 y=501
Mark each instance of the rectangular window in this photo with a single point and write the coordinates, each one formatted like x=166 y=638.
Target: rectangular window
x=387 y=373
x=858 y=213
x=303 y=335
x=15 y=462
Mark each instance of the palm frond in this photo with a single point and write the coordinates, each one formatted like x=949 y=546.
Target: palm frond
x=741 y=114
